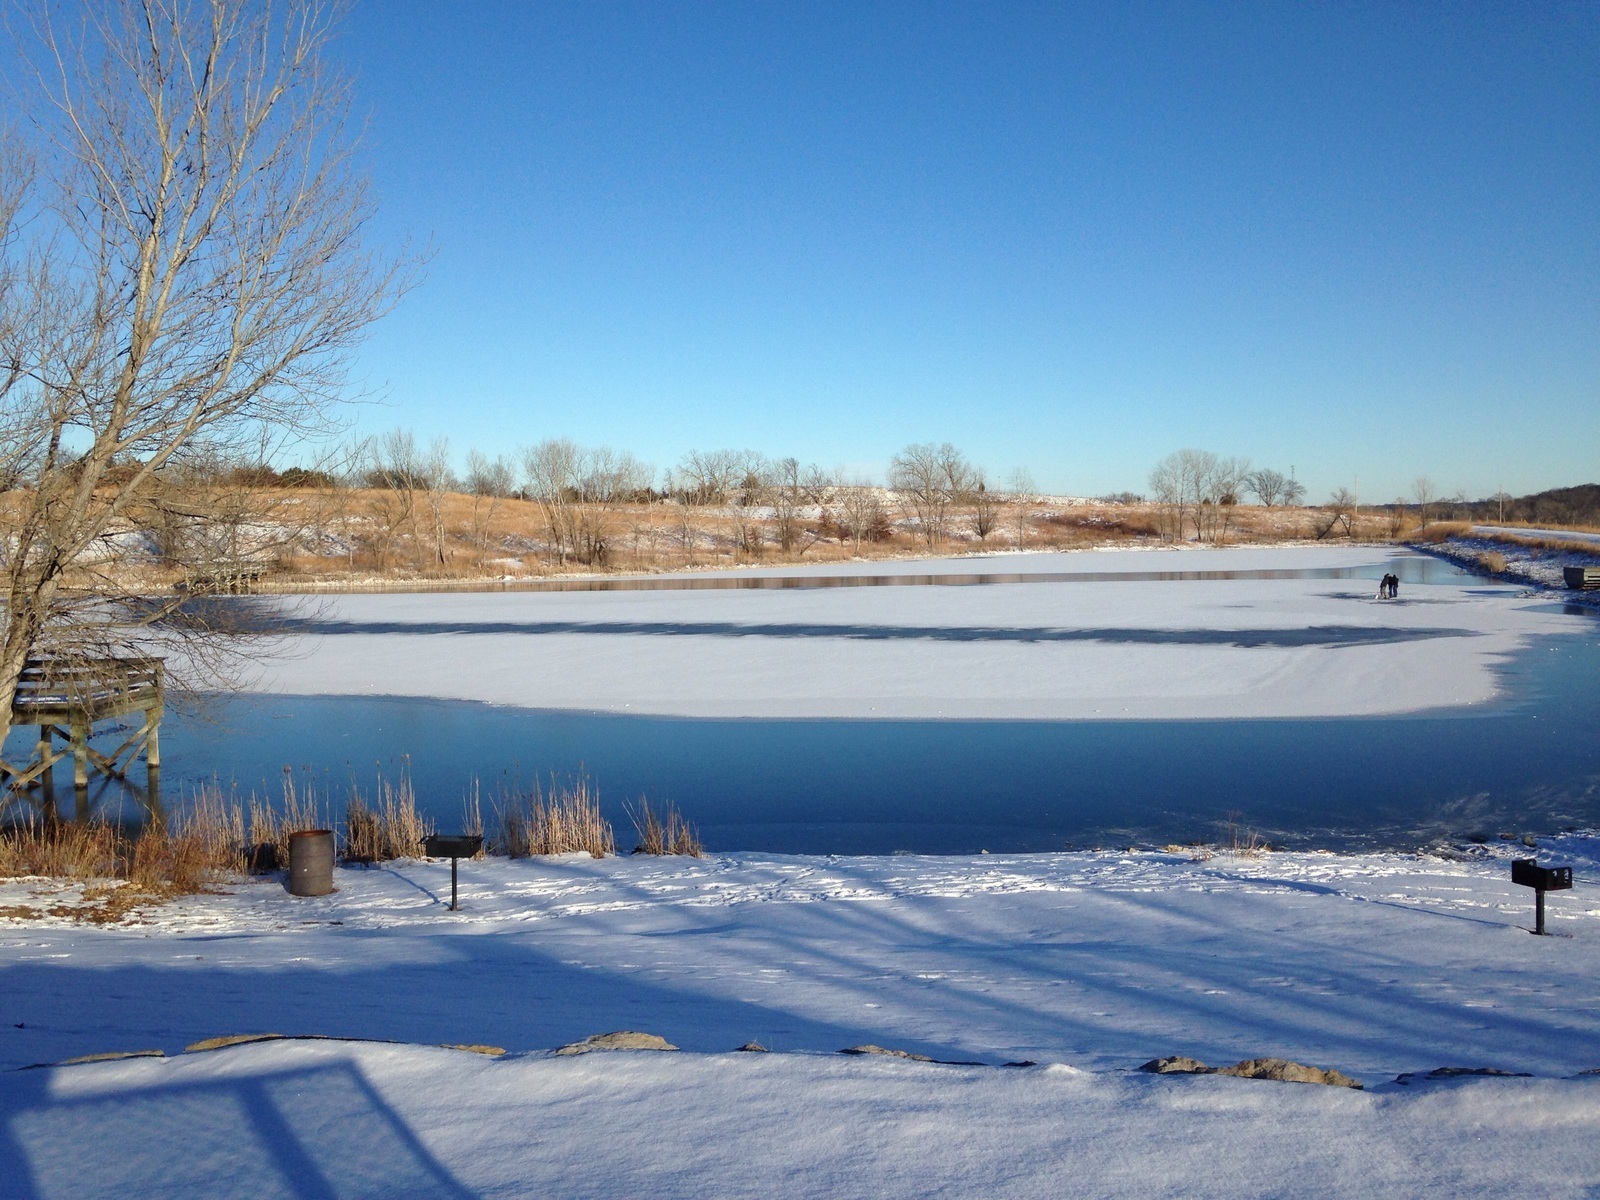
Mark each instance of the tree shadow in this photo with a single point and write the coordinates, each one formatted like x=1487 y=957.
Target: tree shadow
x=310 y=1133
x=1250 y=639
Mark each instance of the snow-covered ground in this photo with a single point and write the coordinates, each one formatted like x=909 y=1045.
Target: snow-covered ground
x=1086 y=964
x=1146 y=648
x=1532 y=564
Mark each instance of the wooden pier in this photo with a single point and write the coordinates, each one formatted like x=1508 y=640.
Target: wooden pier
x=66 y=699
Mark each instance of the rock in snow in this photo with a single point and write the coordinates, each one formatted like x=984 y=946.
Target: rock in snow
x=1253 y=1068
x=623 y=1039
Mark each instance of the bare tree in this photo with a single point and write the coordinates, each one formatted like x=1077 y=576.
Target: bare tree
x=861 y=508
x=1024 y=494
x=1269 y=486
x=1198 y=489
x=985 y=506
x=1179 y=484
x=577 y=491
x=1221 y=490
x=488 y=481
x=708 y=476
x=396 y=469
x=930 y=479
x=191 y=275
x=437 y=481
x=1338 y=514
x=1425 y=494
x=788 y=489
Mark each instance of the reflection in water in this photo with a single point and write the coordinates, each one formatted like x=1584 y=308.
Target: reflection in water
x=1412 y=568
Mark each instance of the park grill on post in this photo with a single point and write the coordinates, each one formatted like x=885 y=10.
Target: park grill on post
x=454 y=847
x=1525 y=872
x=67 y=698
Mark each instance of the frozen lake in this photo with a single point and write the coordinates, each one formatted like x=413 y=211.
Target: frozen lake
x=1082 y=700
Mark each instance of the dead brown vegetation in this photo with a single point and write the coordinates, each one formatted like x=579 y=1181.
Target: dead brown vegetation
x=388 y=826
x=665 y=832
x=563 y=820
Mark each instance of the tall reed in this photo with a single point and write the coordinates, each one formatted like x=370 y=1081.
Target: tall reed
x=664 y=833
x=390 y=826
x=566 y=819
x=270 y=827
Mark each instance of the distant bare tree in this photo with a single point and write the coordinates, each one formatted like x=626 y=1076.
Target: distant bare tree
x=1179 y=483
x=787 y=488
x=437 y=481
x=708 y=476
x=931 y=479
x=1338 y=514
x=489 y=481
x=1269 y=486
x=1024 y=494
x=860 y=509
x=1198 y=489
x=1397 y=518
x=402 y=476
x=1222 y=490
x=191 y=275
x=577 y=490
x=985 y=506
x=1425 y=494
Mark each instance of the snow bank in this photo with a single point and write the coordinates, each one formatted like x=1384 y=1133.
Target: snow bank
x=323 y=1119
x=1040 y=650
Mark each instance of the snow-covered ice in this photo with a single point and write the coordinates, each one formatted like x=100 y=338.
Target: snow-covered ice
x=1088 y=964
x=1233 y=648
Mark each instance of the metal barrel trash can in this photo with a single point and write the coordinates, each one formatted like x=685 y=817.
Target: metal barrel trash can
x=311 y=862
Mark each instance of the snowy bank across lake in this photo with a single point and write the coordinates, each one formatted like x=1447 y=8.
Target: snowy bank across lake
x=1063 y=649
x=1085 y=964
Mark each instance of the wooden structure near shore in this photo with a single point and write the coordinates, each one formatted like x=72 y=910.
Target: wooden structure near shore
x=67 y=698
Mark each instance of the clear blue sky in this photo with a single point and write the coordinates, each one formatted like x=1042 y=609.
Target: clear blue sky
x=1363 y=240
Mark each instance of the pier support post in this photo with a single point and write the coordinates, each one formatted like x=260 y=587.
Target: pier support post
x=79 y=738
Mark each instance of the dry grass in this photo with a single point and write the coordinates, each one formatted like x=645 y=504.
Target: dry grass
x=472 y=820
x=1240 y=840
x=663 y=833
x=1493 y=562
x=270 y=827
x=564 y=820
x=1554 y=542
x=387 y=828
x=59 y=850
x=126 y=871
x=1440 y=531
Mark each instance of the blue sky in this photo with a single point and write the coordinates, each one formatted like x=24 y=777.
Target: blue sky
x=1362 y=240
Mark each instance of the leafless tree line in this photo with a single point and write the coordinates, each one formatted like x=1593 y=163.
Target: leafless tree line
x=1198 y=492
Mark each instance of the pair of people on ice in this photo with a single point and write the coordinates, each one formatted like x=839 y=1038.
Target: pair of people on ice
x=1389 y=589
